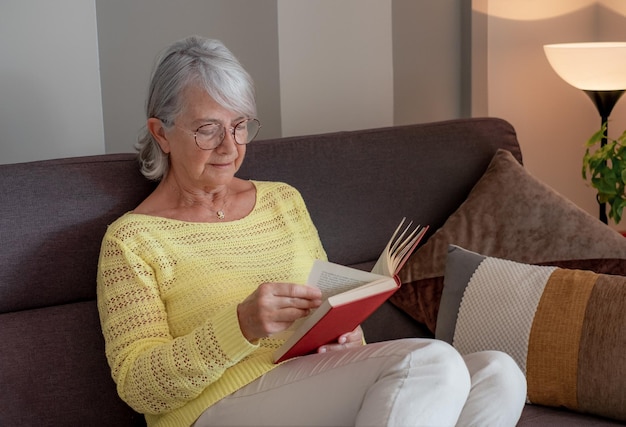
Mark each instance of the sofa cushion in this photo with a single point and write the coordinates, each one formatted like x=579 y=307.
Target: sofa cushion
x=54 y=370
x=546 y=416
x=508 y=214
x=53 y=215
x=564 y=328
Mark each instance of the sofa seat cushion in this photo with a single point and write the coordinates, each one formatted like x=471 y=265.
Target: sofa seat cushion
x=545 y=416
x=55 y=369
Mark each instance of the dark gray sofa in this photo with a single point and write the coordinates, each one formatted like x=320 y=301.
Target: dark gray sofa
x=53 y=214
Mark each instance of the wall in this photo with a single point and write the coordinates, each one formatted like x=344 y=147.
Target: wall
x=335 y=65
x=359 y=64
x=49 y=80
x=427 y=68
x=319 y=66
x=132 y=33
x=552 y=118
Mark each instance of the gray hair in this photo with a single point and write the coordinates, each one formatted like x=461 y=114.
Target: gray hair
x=193 y=60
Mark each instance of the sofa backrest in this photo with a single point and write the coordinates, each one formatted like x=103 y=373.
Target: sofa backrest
x=359 y=185
x=52 y=218
x=54 y=213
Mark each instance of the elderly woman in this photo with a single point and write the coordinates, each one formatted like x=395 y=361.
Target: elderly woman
x=195 y=283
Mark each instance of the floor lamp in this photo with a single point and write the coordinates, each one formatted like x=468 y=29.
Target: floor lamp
x=598 y=69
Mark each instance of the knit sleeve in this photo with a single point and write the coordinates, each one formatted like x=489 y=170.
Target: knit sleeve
x=155 y=372
x=307 y=228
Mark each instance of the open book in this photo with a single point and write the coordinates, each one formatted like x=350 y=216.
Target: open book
x=349 y=295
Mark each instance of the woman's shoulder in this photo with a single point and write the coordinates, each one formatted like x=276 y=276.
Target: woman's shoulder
x=274 y=187
x=276 y=190
x=130 y=224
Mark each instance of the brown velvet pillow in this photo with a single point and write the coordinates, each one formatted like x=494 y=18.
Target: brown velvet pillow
x=512 y=215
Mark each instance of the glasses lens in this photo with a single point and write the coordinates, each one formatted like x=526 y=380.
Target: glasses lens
x=209 y=136
x=246 y=131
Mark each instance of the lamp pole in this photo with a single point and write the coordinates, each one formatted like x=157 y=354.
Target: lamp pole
x=598 y=69
x=604 y=101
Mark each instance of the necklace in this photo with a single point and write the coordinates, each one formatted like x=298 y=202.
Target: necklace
x=220 y=213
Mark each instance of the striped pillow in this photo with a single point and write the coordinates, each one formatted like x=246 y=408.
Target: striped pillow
x=566 y=329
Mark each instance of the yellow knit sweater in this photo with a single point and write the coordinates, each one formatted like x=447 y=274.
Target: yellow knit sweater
x=168 y=292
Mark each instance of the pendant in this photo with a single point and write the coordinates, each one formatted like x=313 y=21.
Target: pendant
x=220 y=215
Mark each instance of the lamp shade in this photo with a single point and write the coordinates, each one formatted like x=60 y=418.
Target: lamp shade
x=597 y=66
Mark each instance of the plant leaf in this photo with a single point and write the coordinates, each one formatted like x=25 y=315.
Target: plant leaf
x=596 y=137
x=605 y=168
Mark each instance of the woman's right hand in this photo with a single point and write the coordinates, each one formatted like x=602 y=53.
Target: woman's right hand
x=273 y=307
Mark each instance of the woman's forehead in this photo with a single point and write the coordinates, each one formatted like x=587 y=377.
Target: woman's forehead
x=200 y=108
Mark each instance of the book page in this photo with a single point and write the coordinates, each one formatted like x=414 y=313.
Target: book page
x=401 y=245
x=333 y=278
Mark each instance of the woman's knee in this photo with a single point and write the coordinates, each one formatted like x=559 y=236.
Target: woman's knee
x=451 y=363
x=445 y=362
x=497 y=368
x=434 y=361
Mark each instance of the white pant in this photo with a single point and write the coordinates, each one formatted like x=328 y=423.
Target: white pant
x=411 y=382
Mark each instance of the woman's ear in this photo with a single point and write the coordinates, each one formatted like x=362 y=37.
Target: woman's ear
x=155 y=127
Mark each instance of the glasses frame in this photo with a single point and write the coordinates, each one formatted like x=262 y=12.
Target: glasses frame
x=231 y=130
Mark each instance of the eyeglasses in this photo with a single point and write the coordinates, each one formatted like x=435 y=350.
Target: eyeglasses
x=211 y=135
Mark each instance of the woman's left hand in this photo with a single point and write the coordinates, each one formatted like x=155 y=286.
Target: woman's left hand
x=347 y=340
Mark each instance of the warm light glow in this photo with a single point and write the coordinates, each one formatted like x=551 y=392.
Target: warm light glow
x=530 y=10
x=533 y=10
x=590 y=66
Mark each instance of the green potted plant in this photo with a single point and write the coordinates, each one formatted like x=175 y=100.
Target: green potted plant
x=606 y=168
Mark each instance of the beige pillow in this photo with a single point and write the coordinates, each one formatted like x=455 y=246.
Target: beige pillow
x=508 y=214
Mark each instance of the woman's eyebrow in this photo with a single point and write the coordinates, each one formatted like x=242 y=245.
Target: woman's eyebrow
x=207 y=121
x=204 y=121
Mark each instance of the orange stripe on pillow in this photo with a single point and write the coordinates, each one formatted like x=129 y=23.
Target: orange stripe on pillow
x=552 y=361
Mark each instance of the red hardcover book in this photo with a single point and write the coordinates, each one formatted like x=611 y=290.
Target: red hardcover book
x=349 y=295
